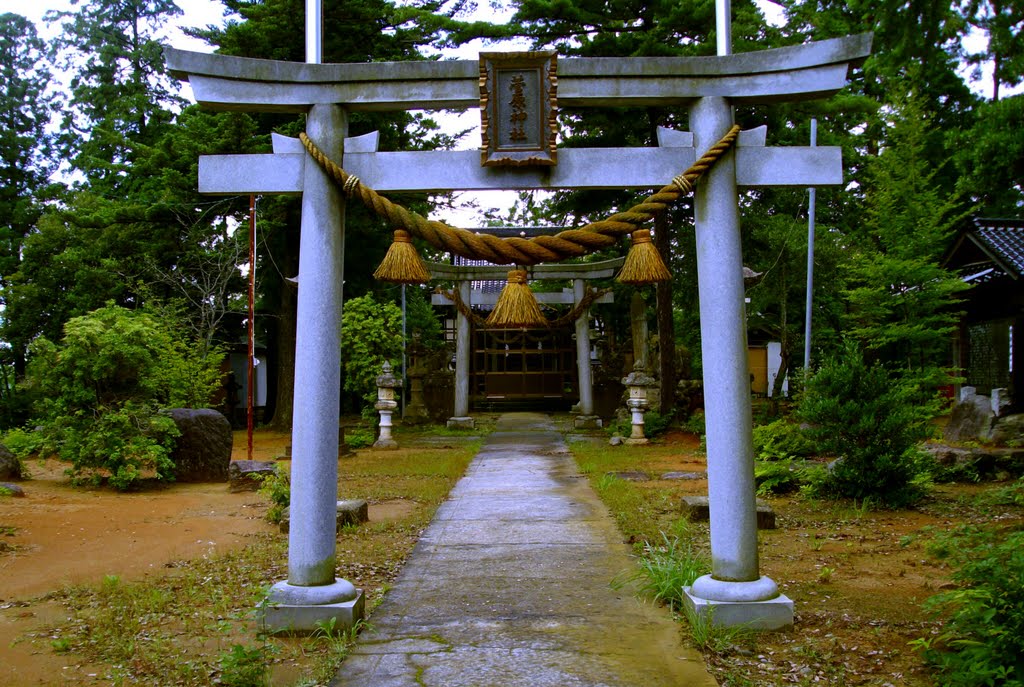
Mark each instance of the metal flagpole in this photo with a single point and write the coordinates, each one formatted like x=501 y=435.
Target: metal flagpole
x=810 y=259
x=251 y=364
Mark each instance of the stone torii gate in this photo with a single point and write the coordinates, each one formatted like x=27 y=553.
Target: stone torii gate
x=708 y=86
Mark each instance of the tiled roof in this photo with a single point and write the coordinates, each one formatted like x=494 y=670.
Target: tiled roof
x=485 y=285
x=1003 y=239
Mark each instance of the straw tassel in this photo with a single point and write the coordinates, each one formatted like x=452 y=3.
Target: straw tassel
x=517 y=306
x=402 y=264
x=643 y=262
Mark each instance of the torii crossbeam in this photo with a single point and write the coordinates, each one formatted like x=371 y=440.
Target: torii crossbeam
x=708 y=86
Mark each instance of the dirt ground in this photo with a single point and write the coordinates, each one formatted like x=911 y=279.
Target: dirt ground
x=857 y=577
x=60 y=535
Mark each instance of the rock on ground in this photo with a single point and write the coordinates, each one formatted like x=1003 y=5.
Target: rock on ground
x=203 y=451
x=247 y=475
x=971 y=420
x=11 y=489
x=10 y=466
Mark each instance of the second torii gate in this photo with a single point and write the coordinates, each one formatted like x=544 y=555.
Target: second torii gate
x=709 y=86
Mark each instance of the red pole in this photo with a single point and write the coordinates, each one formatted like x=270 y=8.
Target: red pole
x=252 y=320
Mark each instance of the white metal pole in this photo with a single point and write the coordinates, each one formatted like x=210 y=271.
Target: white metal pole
x=810 y=258
x=723 y=26
x=314 y=31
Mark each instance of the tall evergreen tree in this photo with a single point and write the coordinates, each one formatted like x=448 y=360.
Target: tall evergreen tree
x=121 y=97
x=901 y=301
x=989 y=158
x=1002 y=22
x=25 y=164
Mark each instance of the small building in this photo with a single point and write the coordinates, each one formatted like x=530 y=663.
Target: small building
x=989 y=255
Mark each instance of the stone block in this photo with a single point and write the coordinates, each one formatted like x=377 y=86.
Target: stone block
x=248 y=475
x=773 y=614
x=697 y=509
x=630 y=475
x=461 y=423
x=1001 y=402
x=350 y=512
x=684 y=475
x=587 y=422
x=300 y=619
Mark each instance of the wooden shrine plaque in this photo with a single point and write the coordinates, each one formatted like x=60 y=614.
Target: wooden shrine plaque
x=518 y=108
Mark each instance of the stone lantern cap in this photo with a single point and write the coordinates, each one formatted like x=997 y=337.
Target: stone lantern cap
x=638 y=377
x=386 y=379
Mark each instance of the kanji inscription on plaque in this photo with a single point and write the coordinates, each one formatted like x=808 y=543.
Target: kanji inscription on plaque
x=518 y=108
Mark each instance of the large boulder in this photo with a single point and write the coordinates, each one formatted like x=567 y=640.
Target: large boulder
x=1009 y=430
x=203 y=451
x=10 y=466
x=971 y=420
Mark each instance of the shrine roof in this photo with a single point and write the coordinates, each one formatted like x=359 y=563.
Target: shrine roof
x=1004 y=237
x=989 y=248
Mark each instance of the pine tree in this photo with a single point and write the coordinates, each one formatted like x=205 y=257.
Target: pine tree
x=121 y=97
x=901 y=300
x=25 y=163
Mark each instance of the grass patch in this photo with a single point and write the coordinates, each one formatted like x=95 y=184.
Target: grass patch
x=642 y=513
x=664 y=570
x=195 y=625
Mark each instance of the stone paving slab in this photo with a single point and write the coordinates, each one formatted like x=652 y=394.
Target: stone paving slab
x=511 y=586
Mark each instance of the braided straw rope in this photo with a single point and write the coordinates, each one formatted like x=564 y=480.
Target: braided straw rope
x=574 y=314
x=518 y=250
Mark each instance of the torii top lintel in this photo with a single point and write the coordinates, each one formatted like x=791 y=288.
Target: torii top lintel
x=802 y=72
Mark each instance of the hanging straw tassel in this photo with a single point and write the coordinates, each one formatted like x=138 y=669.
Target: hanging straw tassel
x=402 y=264
x=517 y=306
x=643 y=262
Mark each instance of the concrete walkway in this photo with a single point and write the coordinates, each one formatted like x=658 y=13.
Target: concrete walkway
x=510 y=586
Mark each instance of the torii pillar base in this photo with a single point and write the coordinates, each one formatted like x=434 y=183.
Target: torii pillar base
x=292 y=609
x=757 y=605
x=587 y=422
x=461 y=423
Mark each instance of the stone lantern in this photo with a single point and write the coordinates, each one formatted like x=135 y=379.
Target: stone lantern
x=637 y=382
x=386 y=404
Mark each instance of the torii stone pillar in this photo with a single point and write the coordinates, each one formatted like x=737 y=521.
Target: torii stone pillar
x=461 y=419
x=312 y=594
x=735 y=589
x=586 y=419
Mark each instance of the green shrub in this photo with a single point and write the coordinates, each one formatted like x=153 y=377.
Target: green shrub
x=101 y=389
x=23 y=443
x=777 y=477
x=277 y=488
x=371 y=333
x=695 y=423
x=360 y=438
x=654 y=424
x=781 y=439
x=981 y=641
x=872 y=421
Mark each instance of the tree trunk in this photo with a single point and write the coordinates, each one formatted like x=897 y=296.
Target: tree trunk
x=287 y=317
x=666 y=323
x=784 y=343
